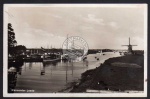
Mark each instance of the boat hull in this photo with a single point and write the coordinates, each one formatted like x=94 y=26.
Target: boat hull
x=50 y=60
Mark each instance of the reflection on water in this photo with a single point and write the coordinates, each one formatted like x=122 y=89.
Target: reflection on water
x=53 y=76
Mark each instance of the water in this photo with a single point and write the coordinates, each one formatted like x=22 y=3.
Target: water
x=57 y=75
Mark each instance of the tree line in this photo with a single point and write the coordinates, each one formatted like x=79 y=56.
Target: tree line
x=14 y=50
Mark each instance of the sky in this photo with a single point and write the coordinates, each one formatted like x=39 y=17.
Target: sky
x=100 y=26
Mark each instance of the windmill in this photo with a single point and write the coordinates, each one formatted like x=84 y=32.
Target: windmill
x=130 y=51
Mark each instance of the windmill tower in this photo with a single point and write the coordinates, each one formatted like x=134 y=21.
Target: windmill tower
x=130 y=51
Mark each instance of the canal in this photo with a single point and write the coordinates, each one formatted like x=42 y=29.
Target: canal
x=57 y=75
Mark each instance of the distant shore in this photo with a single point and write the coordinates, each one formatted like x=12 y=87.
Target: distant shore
x=115 y=74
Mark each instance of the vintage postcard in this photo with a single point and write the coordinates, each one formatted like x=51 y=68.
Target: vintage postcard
x=75 y=50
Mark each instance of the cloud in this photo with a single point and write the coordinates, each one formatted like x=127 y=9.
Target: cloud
x=113 y=25
x=92 y=19
x=44 y=13
x=41 y=32
x=38 y=37
x=56 y=16
x=87 y=28
x=50 y=26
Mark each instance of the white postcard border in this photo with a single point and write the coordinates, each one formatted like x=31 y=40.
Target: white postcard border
x=5 y=51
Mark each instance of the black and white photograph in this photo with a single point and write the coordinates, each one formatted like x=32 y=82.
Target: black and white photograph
x=75 y=50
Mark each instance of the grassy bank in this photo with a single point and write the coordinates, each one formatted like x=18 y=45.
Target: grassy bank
x=117 y=74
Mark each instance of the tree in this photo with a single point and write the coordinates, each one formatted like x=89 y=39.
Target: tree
x=20 y=49
x=11 y=40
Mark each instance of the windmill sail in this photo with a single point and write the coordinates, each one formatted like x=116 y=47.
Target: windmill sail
x=130 y=51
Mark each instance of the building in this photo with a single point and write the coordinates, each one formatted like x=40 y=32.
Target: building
x=40 y=51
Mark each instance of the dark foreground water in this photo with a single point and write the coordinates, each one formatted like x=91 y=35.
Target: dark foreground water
x=57 y=74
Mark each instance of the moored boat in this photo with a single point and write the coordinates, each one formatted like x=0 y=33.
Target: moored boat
x=51 y=57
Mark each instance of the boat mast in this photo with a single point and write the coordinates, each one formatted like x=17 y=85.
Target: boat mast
x=67 y=41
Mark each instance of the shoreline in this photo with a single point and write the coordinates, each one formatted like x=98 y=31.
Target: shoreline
x=94 y=79
x=75 y=83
